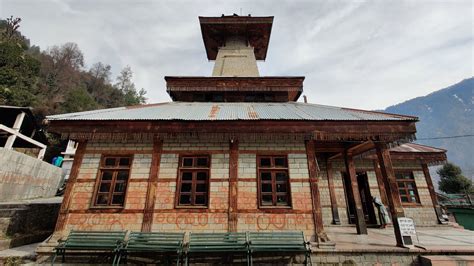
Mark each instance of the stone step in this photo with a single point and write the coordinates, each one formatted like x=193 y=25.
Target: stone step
x=12 y=206
x=4 y=224
x=447 y=260
x=5 y=213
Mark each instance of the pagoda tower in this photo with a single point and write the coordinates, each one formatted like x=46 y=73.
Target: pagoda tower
x=235 y=43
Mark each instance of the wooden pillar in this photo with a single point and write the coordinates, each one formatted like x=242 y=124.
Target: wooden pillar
x=332 y=193
x=395 y=205
x=359 y=212
x=152 y=185
x=76 y=164
x=233 y=188
x=380 y=183
x=315 y=195
x=434 y=199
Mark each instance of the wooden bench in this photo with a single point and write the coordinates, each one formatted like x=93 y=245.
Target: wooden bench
x=82 y=241
x=216 y=243
x=153 y=243
x=278 y=242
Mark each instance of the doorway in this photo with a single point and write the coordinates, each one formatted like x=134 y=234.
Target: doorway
x=365 y=197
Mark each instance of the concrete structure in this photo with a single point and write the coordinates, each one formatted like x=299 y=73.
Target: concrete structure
x=236 y=152
x=16 y=133
x=25 y=177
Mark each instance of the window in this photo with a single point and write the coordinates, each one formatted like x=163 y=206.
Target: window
x=273 y=183
x=113 y=179
x=407 y=187
x=193 y=185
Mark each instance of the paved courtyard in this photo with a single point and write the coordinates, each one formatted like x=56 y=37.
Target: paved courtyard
x=431 y=239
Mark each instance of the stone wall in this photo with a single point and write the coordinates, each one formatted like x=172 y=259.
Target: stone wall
x=251 y=218
x=25 y=177
x=26 y=223
x=212 y=219
x=169 y=217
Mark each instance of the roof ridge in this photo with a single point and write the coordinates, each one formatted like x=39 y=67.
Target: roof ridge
x=382 y=113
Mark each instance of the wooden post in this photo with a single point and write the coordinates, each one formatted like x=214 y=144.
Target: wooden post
x=152 y=184
x=434 y=199
x=361 y=226
x=315 y=196
x=332 y=193
x=380 y=183
x=233 y=189
x=395 y=205
x=64 y=210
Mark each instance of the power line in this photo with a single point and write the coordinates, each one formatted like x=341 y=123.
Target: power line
x=448 y=137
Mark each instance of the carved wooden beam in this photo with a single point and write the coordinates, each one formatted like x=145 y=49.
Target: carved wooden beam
x=359 y=213
x=315 y=195
x=395 y=205
x=64 y=210
x=233 y=188
x=152 y=183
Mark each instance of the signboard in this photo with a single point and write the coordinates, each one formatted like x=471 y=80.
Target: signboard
x=407 y=226
x=407 y=230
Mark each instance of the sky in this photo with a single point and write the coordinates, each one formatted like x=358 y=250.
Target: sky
x=358 y=54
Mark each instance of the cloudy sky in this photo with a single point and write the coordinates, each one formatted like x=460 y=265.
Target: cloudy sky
x=360 y=54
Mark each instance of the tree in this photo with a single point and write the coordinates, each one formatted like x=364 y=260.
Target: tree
x=19 y=71
x=78 y=100
x=452 y=181
x=126 y=85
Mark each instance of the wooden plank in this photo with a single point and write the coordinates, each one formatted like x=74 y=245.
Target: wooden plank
x=332 y=193
x=431 y=189
x=359 y=213
x=76 y=164
x=233 y=188
x=395 y=205
x=315 y=195
x=152 y=184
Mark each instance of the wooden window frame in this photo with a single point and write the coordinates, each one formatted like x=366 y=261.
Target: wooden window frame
x=194 y=181
x=273 y=170
x=115 y=169
x=405 y=188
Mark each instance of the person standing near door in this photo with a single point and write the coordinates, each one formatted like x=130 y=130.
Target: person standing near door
x=383 y=213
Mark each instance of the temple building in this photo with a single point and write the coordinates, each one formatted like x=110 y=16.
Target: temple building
x=236 y=151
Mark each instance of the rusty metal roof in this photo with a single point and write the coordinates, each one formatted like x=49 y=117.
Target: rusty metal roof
x=416 y=148
x=210 y=111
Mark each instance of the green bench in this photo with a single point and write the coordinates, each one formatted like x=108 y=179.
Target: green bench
x=278 y=242
x=105 y=241
x=216 y=243
x=152 y=243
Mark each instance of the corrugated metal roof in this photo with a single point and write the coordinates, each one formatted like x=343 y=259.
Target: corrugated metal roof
x=198 y=111
x=413 y=147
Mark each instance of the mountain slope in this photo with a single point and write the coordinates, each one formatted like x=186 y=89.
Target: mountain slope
x=447 y=112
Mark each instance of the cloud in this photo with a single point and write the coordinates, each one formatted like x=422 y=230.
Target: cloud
x=361 y=54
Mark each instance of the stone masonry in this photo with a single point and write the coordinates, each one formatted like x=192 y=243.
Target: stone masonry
x=167 y=217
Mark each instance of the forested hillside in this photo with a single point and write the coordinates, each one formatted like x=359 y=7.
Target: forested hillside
x=56 y=80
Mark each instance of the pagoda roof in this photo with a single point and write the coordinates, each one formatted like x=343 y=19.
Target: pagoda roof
x=414 y=151
x=228 y=111
x=215 y=30
x=292 y=86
